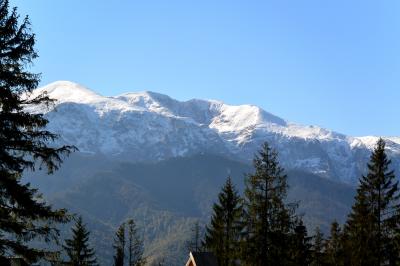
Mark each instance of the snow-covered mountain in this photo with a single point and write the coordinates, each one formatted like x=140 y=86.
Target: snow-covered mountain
x=147 y=126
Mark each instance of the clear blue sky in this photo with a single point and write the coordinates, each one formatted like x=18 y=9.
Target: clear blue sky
x=330 y=63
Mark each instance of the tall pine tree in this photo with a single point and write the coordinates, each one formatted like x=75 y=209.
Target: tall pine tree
x=335 y=253
x=269 y=221
x=318 y=254
x=135 y=246
x=224 y=232
x=119 y=246
x=300 y=248
x=77 y=248
x=24 y=144
x=375 y=218
x=359 y=240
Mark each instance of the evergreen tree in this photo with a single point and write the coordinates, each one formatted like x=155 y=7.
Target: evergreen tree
x=119 y=246
x=318 y=250
x=334 y=247
x=269 y=220
x=135 y=246
x=373 y=223
x=24 y=144
x=195 y=242
x=223 y=234
x=78 y=250
x=358 y=233
x=301 y=246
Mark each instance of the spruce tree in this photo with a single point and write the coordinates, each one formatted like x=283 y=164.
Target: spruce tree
x=119 y=246
x=318 y=250
x=335 y=254
x=373 y=223
x=77 y=248
x=25 y=144
x=269 y=221
x=300 y=247
x=358 y=233
x=223 y=234
x=135 y=246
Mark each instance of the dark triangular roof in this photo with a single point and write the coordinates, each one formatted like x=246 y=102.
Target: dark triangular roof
x=204 y=259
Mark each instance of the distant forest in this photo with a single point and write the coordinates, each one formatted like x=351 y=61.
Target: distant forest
x=257 y=228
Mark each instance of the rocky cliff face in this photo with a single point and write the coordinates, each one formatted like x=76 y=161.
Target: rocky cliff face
x=148 y=126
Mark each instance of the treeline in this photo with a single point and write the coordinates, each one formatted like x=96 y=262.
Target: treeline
x=260 y=228
x=128 y=247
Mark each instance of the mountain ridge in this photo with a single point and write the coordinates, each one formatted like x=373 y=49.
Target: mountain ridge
x=70 y=86
x=145 y=126
x=162 y=162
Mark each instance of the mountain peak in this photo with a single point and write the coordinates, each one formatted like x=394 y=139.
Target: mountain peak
x=152 y=126
x=67 y=91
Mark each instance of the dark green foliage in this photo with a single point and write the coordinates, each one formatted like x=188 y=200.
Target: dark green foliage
x=223 y=234
x=24 y=141
x=300 y=246
x=335 y=253
x=318 y=250
x=135 y=246
x=119 y=246
x=77 y=248
x=359 y=239
x=269 y=220
x=174 y=191
x=24 y=144
x=371 y=229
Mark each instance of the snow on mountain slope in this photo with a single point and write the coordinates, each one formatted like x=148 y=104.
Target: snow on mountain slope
x=65 y=91
x=146 y=126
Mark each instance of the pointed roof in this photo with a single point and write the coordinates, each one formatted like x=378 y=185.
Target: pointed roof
x=202 y=259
